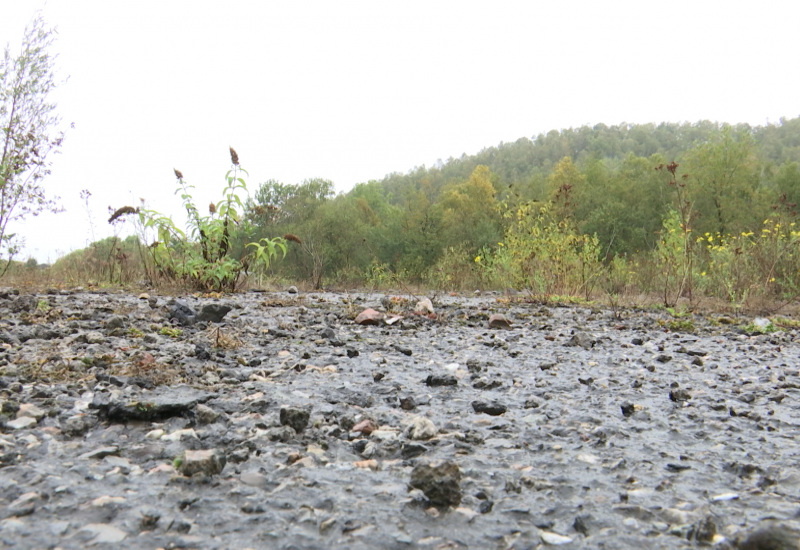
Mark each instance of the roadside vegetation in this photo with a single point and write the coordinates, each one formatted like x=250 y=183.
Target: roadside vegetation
x=603 y=223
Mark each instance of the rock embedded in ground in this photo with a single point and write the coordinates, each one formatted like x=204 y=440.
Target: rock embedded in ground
x=295 y=418
x=498 y=320
x=214 y=312
x=424 y=307
x=492 y=409
x=369 y=317
x=421 y=428
x=440 y=482
x=182 y=313
x=159 y=404
x=772 y=536
x=209 y=462
x=441 y=380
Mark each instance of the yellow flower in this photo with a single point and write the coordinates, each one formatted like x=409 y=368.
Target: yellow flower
x=477 y=258
x=500 y=244
x=703 y=274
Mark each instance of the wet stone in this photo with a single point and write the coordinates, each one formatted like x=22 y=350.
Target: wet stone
x=492 y=408
x=440 y=482
x=421 y=428
x=208 y=462
x=441 y=380
x=294 y=418
x=156 y=405
x=213 y=313
x=498 y=320
x=679 y=395
x=181 y=313
x=21 y=423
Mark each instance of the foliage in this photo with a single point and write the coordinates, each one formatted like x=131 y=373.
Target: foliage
x=767 y=262
x=549 y=255
x=204 y=258
x=30 y=132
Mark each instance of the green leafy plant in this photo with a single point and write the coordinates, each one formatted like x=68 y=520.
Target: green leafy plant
x=760 y=327
x=172 y=332
x=549 y=255
x=207 y=256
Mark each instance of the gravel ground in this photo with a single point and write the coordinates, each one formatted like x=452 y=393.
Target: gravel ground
x=275 y=420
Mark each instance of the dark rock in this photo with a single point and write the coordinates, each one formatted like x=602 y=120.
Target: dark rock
x=485 y=384
x=412 y=450
x=704 y=530
x=100 y=452
x=208 y=462
x=149 y=519
x=158 y=405
x=441 y=380
x=627 y=409
x=679 y=395
x=677 y=468
x=440 y=482
x=771 y=537
x=407 y=403
x=295 y=418
x=201 y=352
x=213 y=313
x=182 y=313
x=402 y=349
x=493 y=409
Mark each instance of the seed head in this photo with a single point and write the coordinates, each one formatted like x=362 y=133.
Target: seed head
x=178 y=174
x=234 y=156
x=293 y=238
x=119 y=212
x=212 y=208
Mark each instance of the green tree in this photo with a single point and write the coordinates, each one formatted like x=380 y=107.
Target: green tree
x=469 y=212
x=725 y=171
x=30 y=131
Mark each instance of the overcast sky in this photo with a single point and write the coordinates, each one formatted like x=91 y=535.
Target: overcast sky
x=353 y=90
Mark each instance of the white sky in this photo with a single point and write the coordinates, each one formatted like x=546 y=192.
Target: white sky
x=353 y=90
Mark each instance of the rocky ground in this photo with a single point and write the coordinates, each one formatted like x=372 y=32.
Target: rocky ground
x=275 y=420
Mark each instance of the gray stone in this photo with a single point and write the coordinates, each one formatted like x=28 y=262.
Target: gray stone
x=21 y=423
x=209 y=462
x=421 y=428
x=104 y=533
x=205 y=414
x=165 y=402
